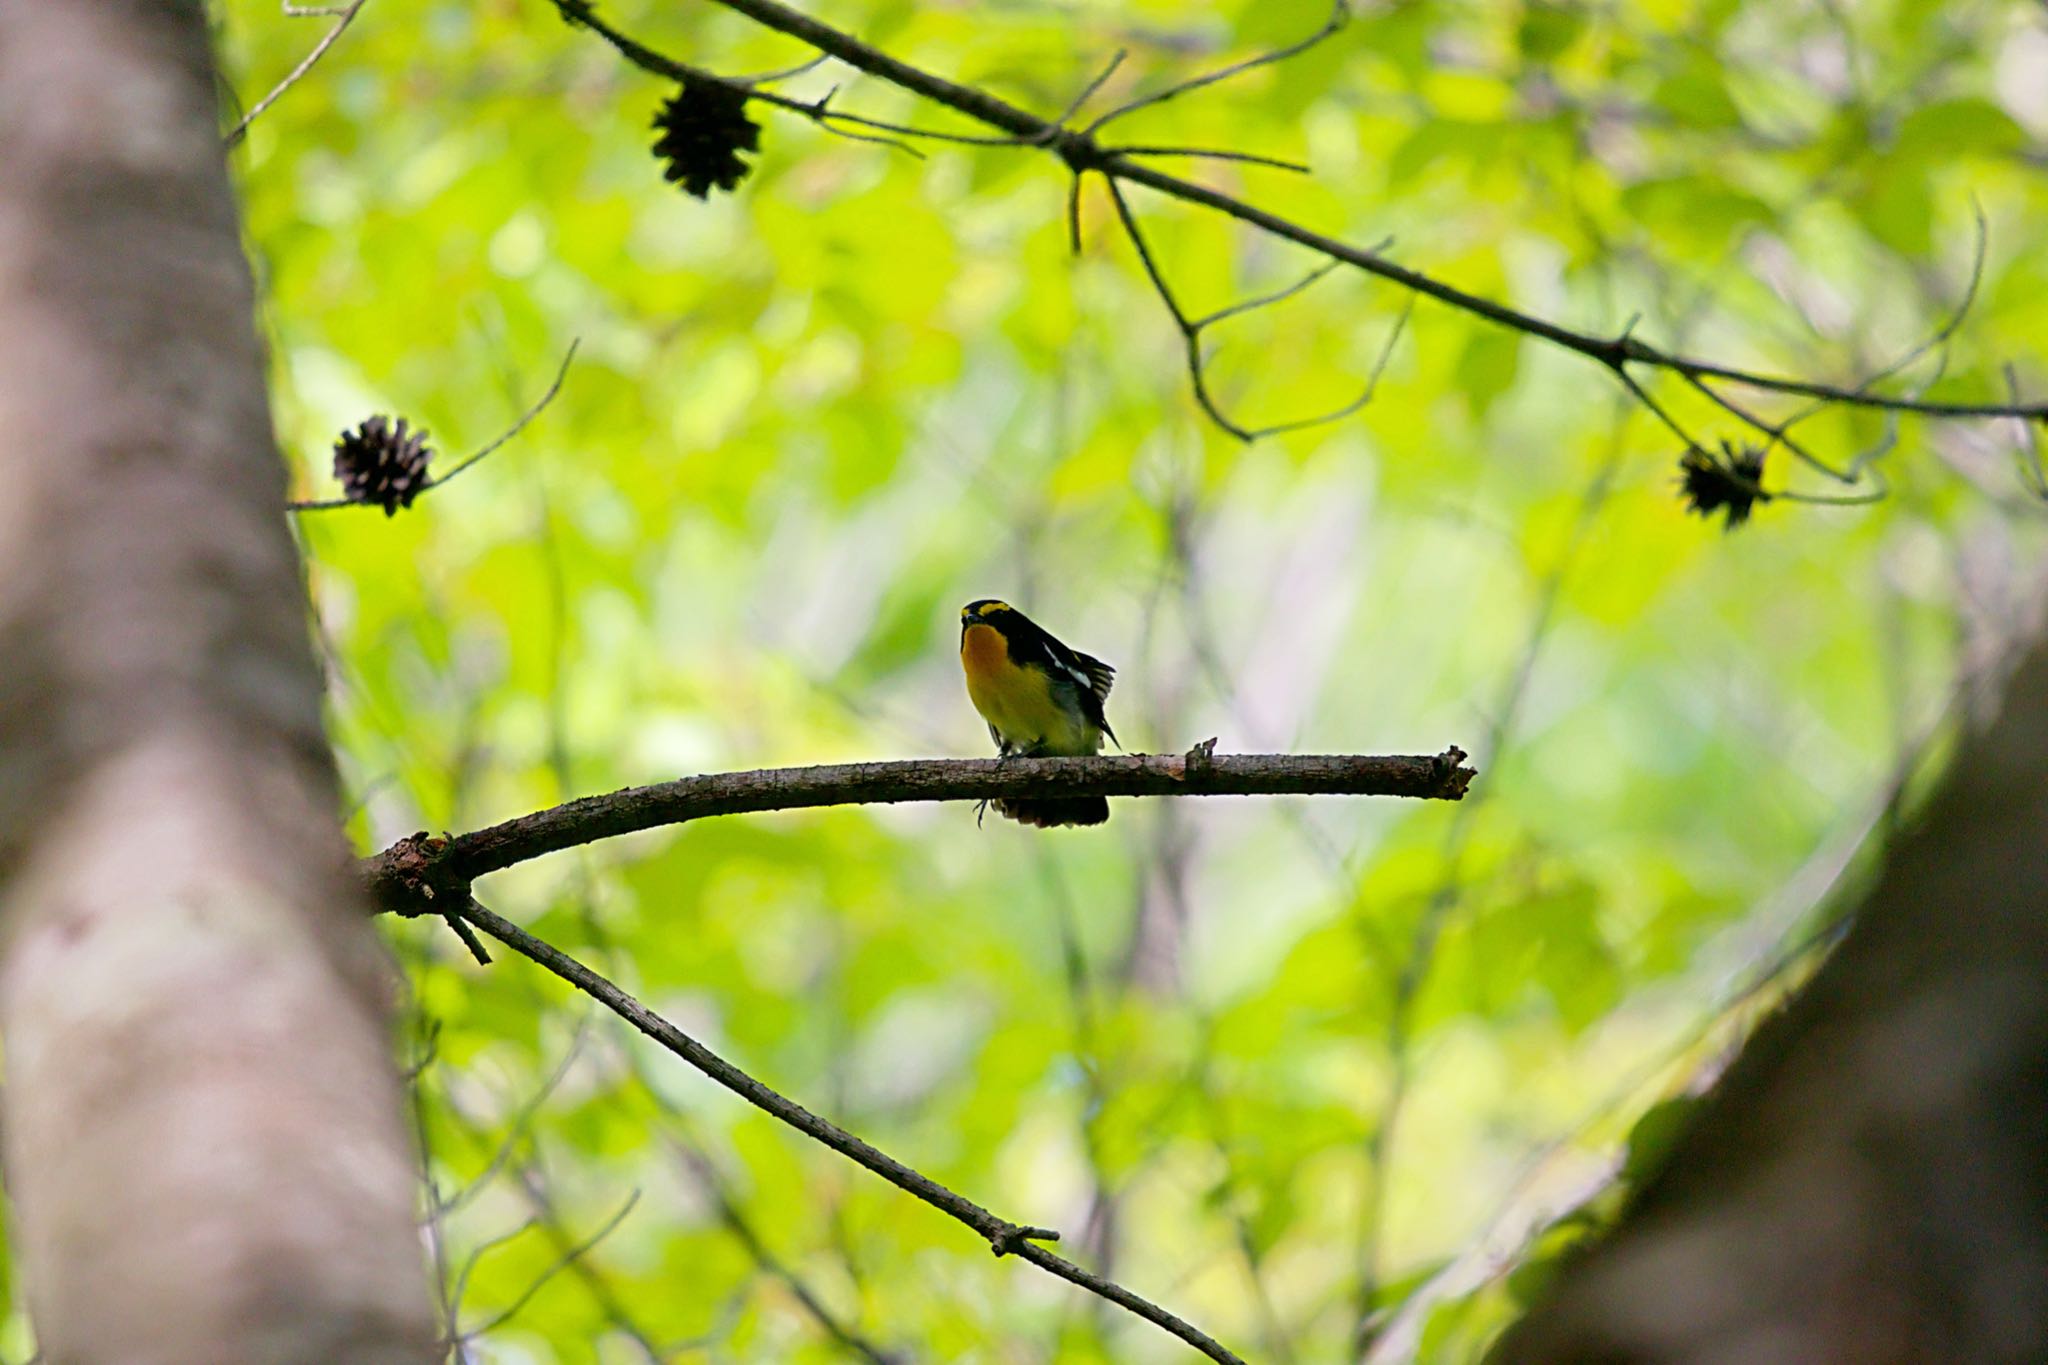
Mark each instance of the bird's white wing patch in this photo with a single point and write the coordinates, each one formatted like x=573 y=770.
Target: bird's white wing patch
x=1093 y=674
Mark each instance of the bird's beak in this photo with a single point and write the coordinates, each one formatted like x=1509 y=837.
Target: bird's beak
x=969 y=617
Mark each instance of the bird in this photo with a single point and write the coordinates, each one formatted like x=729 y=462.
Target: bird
x=1039 y=698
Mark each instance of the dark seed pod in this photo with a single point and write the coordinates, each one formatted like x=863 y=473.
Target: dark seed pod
x=381 y=463
x=1729 y=483
x=704 y=128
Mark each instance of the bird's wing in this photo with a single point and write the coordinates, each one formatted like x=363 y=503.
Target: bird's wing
x=1095 y=674
x=1092 y=676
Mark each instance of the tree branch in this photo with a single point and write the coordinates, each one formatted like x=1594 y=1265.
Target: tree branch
x=1004 y=1237
x=421 y=875
x=1082 y=153
x=525 y=420
x=343 y=16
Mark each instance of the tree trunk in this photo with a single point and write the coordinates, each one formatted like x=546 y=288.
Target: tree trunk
x=1869 y=1182
x=203 y=1138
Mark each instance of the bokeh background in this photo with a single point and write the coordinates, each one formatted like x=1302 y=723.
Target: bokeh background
x=1285 y=1066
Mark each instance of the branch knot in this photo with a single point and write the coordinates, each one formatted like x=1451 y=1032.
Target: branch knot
x=413 y=877
x=1078 y=149
x=1009 y=1238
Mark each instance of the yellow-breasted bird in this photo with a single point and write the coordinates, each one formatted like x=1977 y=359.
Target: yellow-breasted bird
x=1039 y=698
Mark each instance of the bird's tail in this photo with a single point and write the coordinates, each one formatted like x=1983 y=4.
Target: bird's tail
x=1047 y=812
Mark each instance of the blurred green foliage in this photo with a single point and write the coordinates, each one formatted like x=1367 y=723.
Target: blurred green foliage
x=810 y=419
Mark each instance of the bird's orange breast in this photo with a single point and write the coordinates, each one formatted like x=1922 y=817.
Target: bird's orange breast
x=985 y=658
x=1019 y=702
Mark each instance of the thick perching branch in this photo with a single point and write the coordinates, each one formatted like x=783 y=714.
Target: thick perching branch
x=422 y=875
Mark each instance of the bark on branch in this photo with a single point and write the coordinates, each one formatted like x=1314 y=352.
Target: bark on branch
x=422 y=875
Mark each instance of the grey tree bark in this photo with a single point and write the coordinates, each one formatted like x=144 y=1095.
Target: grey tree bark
x=1869 y=1181
x=203 y=1138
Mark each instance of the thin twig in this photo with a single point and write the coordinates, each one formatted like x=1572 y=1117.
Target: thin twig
x=569 y=1255
x=1774 y=432
x=1941 y=335
x=736 y=1222
x=329 y=504
x=522 y=1122
x=1265 y=300
x=1340 y=15
x=1686 y=440
x=1191 y=330
x=1004 y=1237
x=1278 y=163
x=1101 y=78
x=786 y=72
x=477 y=1253
x=434 y=1225
x=1365 y=395
x=344 y=15
x=531 y=1184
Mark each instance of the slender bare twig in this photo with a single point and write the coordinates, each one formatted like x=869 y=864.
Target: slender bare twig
x=1775 y=433
x=1004 y=1237
x=1941 y=335
x=1340 y=15
x=1098 y=1229
x=525 y=418
x=1191 y=334
x=1081 y=153
x=562 y=1262
x=713 y=1181
x=786 y=72
x=476 y=1255
x=434 y=1226
x=1278 y=163
x=1101 y=78
x=1216 y=1120
x=521 y=1126
x=547 y=1218
x=343 y=16
x=705 y=1170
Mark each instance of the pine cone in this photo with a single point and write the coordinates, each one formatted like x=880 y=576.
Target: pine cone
x=703 y=130
x=1727 y=484
x=381 y=464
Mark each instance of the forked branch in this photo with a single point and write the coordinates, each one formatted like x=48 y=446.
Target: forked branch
x=1082 y=153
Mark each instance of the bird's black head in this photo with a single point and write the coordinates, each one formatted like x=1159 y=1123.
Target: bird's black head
x=987 y=611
